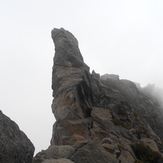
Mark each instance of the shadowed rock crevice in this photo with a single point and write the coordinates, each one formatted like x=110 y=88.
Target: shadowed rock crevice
x=100 y=118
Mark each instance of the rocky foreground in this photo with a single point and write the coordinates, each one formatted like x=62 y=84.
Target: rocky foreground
x=99 y=119
x=15 y=147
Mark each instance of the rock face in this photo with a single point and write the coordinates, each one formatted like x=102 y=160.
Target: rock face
x=15 y=147
x=99 y=119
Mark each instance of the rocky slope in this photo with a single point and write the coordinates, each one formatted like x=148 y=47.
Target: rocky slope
x=99 y=119
x=15 y=147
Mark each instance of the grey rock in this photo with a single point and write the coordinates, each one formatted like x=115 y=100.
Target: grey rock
x=151 y=143
x=15 y=147
x=61 y=160
x=93 y=152
x=110 y=76
x=69 y=77
x=100 y=117
x=54 y=152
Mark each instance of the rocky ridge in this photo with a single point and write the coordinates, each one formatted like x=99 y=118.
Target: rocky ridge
x=99 y=119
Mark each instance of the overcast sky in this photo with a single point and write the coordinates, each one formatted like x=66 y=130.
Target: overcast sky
x=123 y=37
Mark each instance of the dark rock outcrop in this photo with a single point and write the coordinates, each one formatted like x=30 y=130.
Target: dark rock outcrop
x=15 y=147
x=99 y=119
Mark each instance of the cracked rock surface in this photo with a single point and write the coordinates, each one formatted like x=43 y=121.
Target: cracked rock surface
x=99 y=119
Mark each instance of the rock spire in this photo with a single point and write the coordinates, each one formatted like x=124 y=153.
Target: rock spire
x=98 y=118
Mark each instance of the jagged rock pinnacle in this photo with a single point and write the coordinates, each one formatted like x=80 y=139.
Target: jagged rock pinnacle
x=98 y=119
x=66 y=46
x=71 y=84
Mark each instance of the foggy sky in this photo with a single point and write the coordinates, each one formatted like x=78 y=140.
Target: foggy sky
x=115 y=37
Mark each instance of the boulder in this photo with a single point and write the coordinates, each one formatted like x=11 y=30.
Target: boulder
x=55 y=153
x=15 y=147
x=94 y=152
x=151 y=143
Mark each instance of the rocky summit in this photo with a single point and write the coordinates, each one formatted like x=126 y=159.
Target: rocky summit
x=99 y=119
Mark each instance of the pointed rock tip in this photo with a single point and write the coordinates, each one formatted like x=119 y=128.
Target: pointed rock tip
x=65 y=33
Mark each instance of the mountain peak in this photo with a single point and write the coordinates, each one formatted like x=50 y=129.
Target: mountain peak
x=99 y=119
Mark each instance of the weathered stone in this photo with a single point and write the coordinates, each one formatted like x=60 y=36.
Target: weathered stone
x=80 y=144
x=71 y=90
x=61 y=160
x=110 y=76
x=93 y=152
x=111 y=148
x=15 y=147
x=126 y=155
x=151 y=143
x=99 y=116
x=54 y=152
